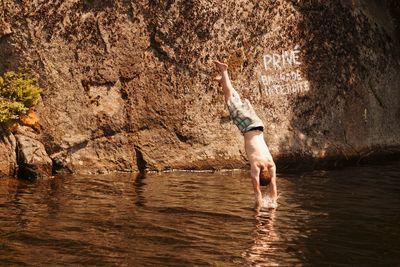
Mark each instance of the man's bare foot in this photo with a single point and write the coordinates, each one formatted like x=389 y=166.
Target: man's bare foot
x=221 y=66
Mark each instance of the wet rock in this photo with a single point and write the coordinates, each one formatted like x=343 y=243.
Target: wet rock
x=33 y=161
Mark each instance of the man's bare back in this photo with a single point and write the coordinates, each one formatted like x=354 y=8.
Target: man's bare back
x=256 y=148
x=258 y=154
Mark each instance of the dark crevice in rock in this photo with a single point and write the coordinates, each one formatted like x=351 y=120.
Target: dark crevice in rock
x=57 y=167
x=168 y=4
x=95 y=5
x=124 y=94
x=108 y=130
x=78 y=146
x=26 y=173
x=130 y=13
x=182 y=137
x=87 y=84
x=103 y=39
x=140 y=161
x=18 y=160
x=225 y=119
x=124 y=88
x=157 y=49
x=16 y=163
x=378 y=99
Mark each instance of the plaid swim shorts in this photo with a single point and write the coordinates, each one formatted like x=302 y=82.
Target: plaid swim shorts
x=243 y=115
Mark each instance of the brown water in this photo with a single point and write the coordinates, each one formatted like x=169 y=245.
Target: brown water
x=346 y=217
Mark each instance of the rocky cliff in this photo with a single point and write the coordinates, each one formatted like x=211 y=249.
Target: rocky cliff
x=127 y=83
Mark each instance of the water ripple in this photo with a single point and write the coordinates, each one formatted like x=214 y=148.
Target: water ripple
x=345 y=217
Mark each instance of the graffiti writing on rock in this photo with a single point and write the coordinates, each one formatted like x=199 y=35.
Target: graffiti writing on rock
x=281 y=74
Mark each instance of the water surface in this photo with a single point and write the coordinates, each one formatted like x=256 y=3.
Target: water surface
x=344 y=217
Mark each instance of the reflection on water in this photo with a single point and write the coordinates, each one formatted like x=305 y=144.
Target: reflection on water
x=346 y=217
x=264 y=236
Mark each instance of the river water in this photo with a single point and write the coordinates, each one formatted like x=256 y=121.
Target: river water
x=344 y=217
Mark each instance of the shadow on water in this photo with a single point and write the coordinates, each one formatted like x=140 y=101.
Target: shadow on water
x=139 y=187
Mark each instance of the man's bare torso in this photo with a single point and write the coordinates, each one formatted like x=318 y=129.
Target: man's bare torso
x=256 y=149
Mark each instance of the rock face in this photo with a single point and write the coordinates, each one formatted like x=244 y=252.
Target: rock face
x=32 y=158
x=8 y=158
x=127 y=83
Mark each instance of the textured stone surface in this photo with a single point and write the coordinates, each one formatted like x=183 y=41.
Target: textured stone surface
x=127 y=83
x=8 y=159
x=33 y=161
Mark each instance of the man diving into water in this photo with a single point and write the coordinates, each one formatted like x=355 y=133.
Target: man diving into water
x=262 y=166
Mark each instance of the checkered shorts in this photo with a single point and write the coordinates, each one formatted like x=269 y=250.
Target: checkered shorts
x=243 y=114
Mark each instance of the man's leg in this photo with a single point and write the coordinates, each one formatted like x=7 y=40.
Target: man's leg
x=226 y=84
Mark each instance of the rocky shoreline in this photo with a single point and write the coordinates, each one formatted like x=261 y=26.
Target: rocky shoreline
x=28 y=159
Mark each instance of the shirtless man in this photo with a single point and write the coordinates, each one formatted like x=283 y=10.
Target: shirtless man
x=262 y=166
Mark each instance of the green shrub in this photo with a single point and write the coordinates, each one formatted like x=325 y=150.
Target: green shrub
x=11 y=110
x=18 y=93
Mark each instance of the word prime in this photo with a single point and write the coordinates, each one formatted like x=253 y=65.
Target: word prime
x=279 y=61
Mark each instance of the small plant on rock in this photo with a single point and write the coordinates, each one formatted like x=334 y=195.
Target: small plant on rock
x=18 y=93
